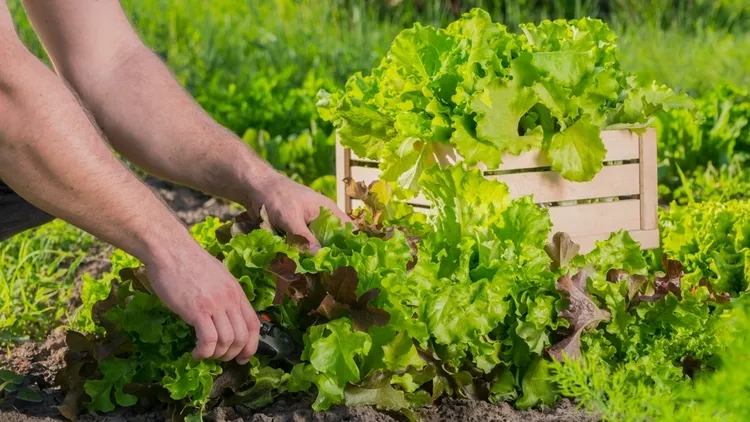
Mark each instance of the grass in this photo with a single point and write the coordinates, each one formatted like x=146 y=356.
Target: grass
x=37 y=271
x=693 y=62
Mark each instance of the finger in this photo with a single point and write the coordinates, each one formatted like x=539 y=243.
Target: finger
x=299 y=227
x=240 y=334
x=207 y=338
x=253 y=327
x=307 y=234
x=340 y=214
x=226 y=334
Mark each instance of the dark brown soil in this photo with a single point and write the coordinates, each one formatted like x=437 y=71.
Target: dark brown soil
x=39 y=362
x=189 y=205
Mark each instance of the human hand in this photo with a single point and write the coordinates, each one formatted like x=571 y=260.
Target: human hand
x=199 y=289
x=292 y=206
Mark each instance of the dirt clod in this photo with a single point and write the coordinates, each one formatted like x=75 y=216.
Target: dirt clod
x=40 y=361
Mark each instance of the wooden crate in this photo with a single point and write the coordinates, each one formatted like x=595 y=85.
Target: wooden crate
x=628 y=179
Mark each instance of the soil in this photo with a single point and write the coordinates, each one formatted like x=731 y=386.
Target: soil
x=189 y=205
x=40 y=362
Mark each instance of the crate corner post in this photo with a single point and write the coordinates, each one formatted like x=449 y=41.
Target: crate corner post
x=343 y=170
x=649 y=195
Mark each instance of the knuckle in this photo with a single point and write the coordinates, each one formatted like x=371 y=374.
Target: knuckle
x=246 y=352
x=205 y=304
x=230 y=291
x=210 y=339
x=253 y=324
x=241 y=338
x=226 y=341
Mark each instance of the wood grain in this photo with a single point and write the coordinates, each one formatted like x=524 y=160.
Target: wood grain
x=549 y=186
x=648 y=180
x=343 y=170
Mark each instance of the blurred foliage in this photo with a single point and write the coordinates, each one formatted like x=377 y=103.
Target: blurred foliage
x=706 y=157
x=256 y=65
x=726 y=14
x=308 y=153
x=37 y=269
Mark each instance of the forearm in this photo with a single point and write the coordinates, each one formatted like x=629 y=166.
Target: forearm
x=152 y=121
x=53 y=156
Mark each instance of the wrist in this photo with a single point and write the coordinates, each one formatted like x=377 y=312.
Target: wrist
x=260 y=181
x=162 y=245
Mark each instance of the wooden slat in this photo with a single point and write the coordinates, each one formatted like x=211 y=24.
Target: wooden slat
x=343 y=170
x=648 y=180
x=602 y=217
x=649 y=239
x=356 y=159
x=620 y=145
x=549 y=186
x=587 y=219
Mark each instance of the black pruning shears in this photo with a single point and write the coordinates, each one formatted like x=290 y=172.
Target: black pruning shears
x=275 y=342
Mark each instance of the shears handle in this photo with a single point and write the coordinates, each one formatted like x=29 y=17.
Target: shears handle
x=274 y=342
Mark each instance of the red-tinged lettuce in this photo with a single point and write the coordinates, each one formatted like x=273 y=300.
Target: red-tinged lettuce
x=659 y=327
x=581 y=313
x=629 y=392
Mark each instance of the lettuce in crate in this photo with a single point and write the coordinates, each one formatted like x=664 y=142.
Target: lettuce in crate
x=484 y=91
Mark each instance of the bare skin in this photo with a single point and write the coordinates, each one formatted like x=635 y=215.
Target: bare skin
x=56 y=158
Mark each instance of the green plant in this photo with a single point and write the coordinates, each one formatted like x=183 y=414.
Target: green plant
x=400 y=309
x=13 y=386
x=37 y=268
x=622 y=394
x=728 y=182
x=692 y=62
x=720 y=136
x=712 y=239
x=479 y=89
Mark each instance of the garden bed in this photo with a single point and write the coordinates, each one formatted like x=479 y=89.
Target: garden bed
x=41 y=361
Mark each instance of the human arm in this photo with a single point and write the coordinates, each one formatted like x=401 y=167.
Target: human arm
x=53 y=156
x=153 y=122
